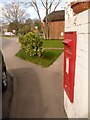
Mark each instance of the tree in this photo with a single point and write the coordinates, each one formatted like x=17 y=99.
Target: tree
x=38 y=24
x=47 y=4
x=22 y=28
x=14 y=12
x=26 y=27
x=14 y=26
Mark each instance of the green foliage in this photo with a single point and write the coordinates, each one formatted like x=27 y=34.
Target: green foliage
x=38 y=24
x=25 y=27
x=21 y=28
x=32 y=44
x=14 y=26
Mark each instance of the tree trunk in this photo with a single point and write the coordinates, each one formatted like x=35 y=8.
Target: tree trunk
x=47 y=35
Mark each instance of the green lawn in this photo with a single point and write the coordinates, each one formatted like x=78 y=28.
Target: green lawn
x=55 y=43
x=49 y=57
x=9 y=36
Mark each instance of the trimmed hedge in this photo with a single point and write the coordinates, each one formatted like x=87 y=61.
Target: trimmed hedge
x=32 y=44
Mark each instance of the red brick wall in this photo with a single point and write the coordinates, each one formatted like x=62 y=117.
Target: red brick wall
x=55 y=29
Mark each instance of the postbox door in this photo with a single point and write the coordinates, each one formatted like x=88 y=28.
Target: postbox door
x=69 y=63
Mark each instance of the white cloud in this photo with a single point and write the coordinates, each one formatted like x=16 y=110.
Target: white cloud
x=32 y=12
x=1 y=6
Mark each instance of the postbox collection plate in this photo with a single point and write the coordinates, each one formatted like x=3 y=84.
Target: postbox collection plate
x=69 y=63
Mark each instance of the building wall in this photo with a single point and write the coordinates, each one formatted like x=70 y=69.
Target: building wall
x=56 y=30
x=79 y=23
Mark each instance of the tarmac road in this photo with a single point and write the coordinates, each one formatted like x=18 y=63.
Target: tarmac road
x=7 y=98
x=7 y=41
x=38 y=91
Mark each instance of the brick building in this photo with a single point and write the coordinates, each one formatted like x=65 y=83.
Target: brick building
x=56 y=24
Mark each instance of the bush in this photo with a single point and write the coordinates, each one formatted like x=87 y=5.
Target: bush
x=32 y=44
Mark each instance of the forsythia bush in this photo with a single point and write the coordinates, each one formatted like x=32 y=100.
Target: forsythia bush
x=32 y=44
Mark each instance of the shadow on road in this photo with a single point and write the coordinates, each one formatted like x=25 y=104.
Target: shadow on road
x=7 y=98
x=29 y=102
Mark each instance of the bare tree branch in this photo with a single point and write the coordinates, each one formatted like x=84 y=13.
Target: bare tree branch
x=14 y=12
x=47 y=4
x=57 y=5
x=43 y=4
x=51 y=4
x=33 y=3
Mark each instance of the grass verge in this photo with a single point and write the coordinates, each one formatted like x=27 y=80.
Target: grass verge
x=9 y=36
x=49 y=57
x=54 y=43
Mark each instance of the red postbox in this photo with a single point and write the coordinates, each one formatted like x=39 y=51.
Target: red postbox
x=69 y=63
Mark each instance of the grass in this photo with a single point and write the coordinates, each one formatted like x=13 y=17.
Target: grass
x=49 y=57
x=55 y=43
x=9 y=36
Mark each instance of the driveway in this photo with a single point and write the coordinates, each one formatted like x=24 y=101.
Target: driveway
x=38 y=92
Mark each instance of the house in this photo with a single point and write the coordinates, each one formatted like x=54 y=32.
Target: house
x=56 y=24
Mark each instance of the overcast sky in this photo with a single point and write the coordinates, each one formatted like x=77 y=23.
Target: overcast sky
x=31 y=11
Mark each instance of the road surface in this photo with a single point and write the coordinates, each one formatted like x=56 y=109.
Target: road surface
x=38 y=91
x=7 y=41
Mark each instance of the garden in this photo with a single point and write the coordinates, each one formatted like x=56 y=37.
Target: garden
x=37 y=50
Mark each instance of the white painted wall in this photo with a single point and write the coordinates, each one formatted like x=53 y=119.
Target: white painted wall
x=79 y=23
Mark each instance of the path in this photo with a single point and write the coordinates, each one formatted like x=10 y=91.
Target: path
x=38 y=92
